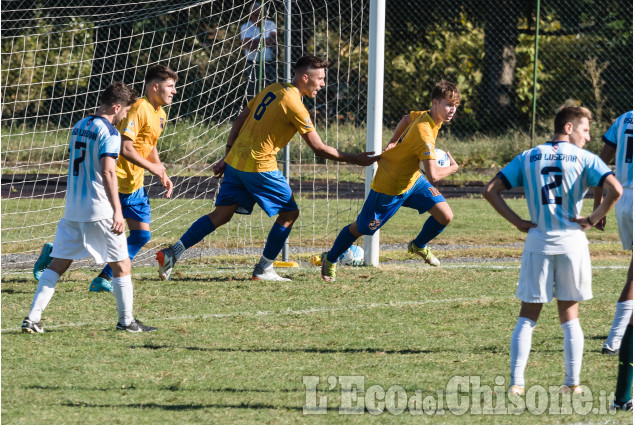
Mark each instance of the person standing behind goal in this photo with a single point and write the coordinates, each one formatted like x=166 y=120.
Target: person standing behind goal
x=555 y=262
x=93 y=223
x=250 y=168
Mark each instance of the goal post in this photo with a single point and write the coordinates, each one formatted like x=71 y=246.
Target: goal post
x=375 y=110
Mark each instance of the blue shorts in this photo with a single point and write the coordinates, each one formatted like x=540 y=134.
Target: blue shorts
x=269 y=190
x=378 y=207
x=136 y=205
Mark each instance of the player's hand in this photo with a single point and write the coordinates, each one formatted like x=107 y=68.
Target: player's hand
x=219 y=168
x=365 y=158
x=582 y=221
x=601 y=224
x=453 y=164
x=158 y=169
x=168 y=185
x=118 y=223
x=525 y=225
x=390 y=146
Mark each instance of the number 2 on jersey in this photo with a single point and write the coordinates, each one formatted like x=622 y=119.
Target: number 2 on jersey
x=557 y=181
x=78 y=161
x=629 y=146
x=266 y=101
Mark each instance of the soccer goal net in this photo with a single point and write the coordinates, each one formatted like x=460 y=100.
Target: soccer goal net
x=58 y=55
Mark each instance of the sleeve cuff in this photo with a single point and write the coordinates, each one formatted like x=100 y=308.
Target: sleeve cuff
x=501 y=176
x=601 y=182
x=609 y=142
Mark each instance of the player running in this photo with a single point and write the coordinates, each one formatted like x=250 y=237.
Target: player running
x=252 y=177
x=93 y=223
x=555 y=262
x=398 y=181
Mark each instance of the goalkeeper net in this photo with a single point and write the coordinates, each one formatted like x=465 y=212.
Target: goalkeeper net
x=57 y=56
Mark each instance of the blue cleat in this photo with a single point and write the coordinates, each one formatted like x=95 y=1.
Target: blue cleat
x=102 y=283
x=43 y=260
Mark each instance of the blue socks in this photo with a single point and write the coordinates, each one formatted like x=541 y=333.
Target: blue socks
x=136 y=240
x=343 y=241
x=275 y=241
x=197 y=231
x=431 y=229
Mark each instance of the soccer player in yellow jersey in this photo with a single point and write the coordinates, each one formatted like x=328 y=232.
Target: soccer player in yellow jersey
x=398 y=181
x=251 y=172
x=140 y=131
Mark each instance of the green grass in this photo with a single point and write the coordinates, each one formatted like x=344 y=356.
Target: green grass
x=230 y=350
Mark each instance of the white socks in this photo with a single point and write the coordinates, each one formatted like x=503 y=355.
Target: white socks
x=43 y=294
x=623 y=313
x=573 y=343
x=520 y=347
x=122 y=289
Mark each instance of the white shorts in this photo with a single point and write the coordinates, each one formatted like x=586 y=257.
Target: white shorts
x=78 y=239
x=624 y=216
x=565 y=276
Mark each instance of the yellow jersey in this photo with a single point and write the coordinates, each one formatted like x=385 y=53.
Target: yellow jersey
x=275 y=115
x=398 y=168
x=143 y=124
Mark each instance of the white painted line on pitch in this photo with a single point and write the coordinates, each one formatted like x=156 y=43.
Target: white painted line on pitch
x=290 y=312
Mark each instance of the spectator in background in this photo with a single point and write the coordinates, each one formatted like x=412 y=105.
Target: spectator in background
x=250 y=35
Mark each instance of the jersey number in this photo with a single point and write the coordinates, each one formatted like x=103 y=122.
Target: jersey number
x=266 y=101
x=78 y=161
x=629 y=146
x=557 y=181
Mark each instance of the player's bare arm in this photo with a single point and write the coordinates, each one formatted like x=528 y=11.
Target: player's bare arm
x=612 y=191
x=327 y=152
x=434 y=173
x=399 y=130
x=219 y=167
x=165 y=179
x=109 y=175
x=130 y=153
x=492 y=193
x=607 y=154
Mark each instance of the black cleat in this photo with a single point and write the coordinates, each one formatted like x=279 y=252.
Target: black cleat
x=31 y=327
x=136 y=326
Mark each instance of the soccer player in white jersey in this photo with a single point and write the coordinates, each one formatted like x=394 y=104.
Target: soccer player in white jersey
x=555 y=260
x=93 y=223
x=618 y=146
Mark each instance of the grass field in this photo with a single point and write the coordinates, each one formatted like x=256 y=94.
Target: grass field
x=230 y=350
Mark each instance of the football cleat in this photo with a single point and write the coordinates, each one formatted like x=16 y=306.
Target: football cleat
x=627 y=406
x=261 y=273
x=328 y=269
x=31 y=327
x=102 y=283
x=570 y=389
x=166 y=260
x=424 y=253
x=43 y=260
x=609 y=351
x=516 y=390
x=135 y=326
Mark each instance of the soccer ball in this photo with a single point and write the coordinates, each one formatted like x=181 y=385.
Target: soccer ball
x=443 y=160
x=353 y=256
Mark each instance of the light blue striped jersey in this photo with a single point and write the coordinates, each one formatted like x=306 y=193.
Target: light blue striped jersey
x=555 y=176
x=91 y=139
x=620 y=136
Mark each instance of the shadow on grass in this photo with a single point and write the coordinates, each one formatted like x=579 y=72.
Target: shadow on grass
x=183 y=407
x=314 y=350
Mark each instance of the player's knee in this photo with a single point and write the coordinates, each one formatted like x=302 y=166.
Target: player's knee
x=446 y=218
x=121 y=268
x=290 y=216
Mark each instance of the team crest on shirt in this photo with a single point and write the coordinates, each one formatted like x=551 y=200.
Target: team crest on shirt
x=308 y=123
x=374 y=224
x=130 y=124
x=161 y=123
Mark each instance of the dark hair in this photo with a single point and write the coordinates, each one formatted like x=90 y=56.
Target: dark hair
x=446 y=90
x=569 y=112
x=118 y=93
x=161 y=73
x=310 y=62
